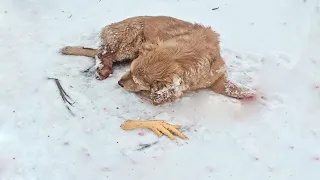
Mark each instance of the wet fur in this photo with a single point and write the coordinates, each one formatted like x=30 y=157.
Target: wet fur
x=169 y=57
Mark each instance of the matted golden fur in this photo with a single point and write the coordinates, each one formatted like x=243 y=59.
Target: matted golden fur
x=169 y=57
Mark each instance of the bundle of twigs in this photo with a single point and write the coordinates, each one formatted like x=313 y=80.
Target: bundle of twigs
x=63 y=95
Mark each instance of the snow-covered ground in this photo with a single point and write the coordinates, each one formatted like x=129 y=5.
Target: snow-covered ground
x=269 y=45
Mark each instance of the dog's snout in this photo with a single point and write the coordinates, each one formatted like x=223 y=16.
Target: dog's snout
x=120 y=83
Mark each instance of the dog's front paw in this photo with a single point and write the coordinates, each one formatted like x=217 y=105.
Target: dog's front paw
x=103 y=73
x=103 y=66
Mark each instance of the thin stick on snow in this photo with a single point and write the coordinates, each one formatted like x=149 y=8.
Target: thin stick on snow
x=144 y=146
x=63 y=95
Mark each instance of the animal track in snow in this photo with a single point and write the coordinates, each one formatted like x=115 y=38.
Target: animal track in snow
x=272 y=101
x=242 y=68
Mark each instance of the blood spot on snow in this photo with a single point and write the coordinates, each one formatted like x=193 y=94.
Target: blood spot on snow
x=141 y=133
x=249 y=98
x=105 y=109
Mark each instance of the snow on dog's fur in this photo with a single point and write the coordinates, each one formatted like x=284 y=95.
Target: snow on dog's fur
x=169 y=57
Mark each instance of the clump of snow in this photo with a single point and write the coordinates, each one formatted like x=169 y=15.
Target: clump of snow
x=268 y=45
x=168 y=92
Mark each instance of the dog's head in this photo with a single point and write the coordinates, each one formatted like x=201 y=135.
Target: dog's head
x=153 y=67
x=131 y=83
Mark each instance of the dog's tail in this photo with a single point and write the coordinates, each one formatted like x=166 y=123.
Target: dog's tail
x=80 y=51
x=227 y=88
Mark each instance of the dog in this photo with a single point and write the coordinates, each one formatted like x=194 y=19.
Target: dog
x=169 y=57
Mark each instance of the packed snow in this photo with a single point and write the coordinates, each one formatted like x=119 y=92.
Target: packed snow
x=271 y=46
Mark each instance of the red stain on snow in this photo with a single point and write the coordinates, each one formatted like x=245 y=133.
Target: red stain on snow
x=249 y=98
x=141 y=133
x=105 y=109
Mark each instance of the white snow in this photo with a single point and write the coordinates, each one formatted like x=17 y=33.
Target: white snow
x=270 y=45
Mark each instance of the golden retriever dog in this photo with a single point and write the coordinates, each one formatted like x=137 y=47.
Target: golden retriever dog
x=169 y=57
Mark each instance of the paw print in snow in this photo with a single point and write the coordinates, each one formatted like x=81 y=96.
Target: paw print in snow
x=285 y=60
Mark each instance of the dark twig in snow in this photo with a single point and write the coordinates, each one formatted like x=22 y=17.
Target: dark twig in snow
x=63 y=95
x=213 y=9
x=144 y=146
x=89 y=69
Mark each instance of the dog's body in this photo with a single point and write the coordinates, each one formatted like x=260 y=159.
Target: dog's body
x=170 y=56
x=123 y=40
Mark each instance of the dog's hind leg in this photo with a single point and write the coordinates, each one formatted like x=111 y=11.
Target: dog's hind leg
x=224 y=87
x=80 y=51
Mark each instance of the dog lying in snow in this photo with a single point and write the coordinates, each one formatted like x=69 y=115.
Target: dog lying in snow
x=169 y=57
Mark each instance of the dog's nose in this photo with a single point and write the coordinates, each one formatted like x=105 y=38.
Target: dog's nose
x=120 y=83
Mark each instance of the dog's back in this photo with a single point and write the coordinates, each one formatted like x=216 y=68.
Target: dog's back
x=125 y=38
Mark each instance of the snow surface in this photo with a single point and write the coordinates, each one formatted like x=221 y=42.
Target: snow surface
x=269 y=45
